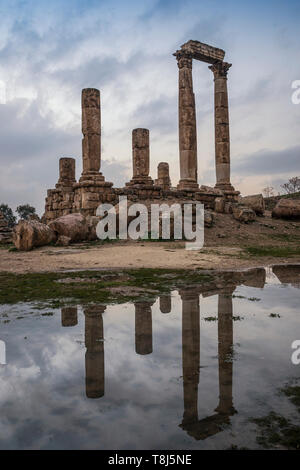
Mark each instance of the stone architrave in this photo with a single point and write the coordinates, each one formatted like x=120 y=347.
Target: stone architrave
x=222 y=140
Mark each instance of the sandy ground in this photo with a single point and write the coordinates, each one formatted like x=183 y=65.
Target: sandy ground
x=224 y=249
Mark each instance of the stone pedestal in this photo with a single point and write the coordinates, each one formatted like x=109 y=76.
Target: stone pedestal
x=163 y=176
x=222 y=139
x=187 y=124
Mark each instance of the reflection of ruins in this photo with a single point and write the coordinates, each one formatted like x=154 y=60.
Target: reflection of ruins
x=94 y=356
x=143 y=328
x=201 y=429
x=69 y=316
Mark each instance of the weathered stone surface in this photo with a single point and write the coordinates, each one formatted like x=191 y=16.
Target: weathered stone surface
x=287 y=209
x=73 y=226
x=140 y=158
x=204 y=52
x=243 y=214
x=63 y=241
x=255 y=277
x=222 y=139
x=29 y=234
x=66 y=172
x=163 y=176
x=220 y=204
x=255 y=202
x=208 y=219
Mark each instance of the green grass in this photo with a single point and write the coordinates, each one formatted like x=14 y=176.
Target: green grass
x=41 y=287
x=273 y=251
x=274 y=430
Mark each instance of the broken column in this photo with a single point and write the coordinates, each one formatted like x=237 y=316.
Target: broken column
x=140 y=158
x=165 y=303
x=94 y=356
x=143 y=327
x=66 y=173
x=163 y=176
x=222 y=140
x=69 y=316
x=187 y=124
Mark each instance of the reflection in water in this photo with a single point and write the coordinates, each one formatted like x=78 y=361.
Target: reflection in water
x=165 y=303
x=143 y=327
x=94 y=356
x=69 y=316
x=130 y=378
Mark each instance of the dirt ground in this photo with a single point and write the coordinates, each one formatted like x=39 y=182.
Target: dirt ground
x=228 y=245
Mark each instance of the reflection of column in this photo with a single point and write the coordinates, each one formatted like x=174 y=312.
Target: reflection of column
x=69 y=316
x=165 y=304
x=190 y=353
x=225 y=351
x=222 y=142
x=94 y=356
x=143 y=328
x=187 y=124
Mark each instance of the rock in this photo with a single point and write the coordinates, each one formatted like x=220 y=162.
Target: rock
x=28 y=234
x=63 y=241
x=210 y=189
x=243 y=214
x=208 y=219
x=287 y=209
x=73 y=226
x=255 y=202
x=220 y=204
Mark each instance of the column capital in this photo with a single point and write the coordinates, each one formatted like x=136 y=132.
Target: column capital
x=184 y=59
x=220 y=69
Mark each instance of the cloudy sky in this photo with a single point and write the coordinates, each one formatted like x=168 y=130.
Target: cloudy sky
x=49 y=51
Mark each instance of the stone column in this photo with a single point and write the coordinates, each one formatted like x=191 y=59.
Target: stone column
x=187 y=124
x=143 y=328
x=91 y=130
x=69 y=316
x=66 y=172
x=222 y=141
x=190 y=353
x=140 y=157
x=225 y=351
x=163 y=176
x=94 y=356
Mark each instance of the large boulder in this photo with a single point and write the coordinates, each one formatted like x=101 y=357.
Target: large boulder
x=73 y=226
x=255 y=202
x=28 y=234
x=287 y=209
x=243 y=213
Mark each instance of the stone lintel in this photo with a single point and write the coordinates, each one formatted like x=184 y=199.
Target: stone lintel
x=200 y=51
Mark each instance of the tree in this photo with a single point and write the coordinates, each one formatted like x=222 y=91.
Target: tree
x=25 y=211
x=268 y=191
x=292 y=186
x=8 y=215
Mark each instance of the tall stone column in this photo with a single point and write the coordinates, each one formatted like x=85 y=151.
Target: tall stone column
x=91 y=130
x=140 y=158
x=143 y=328
x=190 y=353
x=187 y=124
x=225 y=351
x=222 y=139
x=94 y=356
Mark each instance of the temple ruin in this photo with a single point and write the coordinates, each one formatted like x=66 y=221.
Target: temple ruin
x=84 y=196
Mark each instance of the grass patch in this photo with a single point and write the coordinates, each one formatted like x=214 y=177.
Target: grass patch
x=274 y=315
x=293 y=392
x=41 y=287
x=276 y=430
x=273 y=251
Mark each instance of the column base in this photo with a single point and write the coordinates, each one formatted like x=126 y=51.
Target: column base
x=139 y=181
x=224 y=187
x=188 y=185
